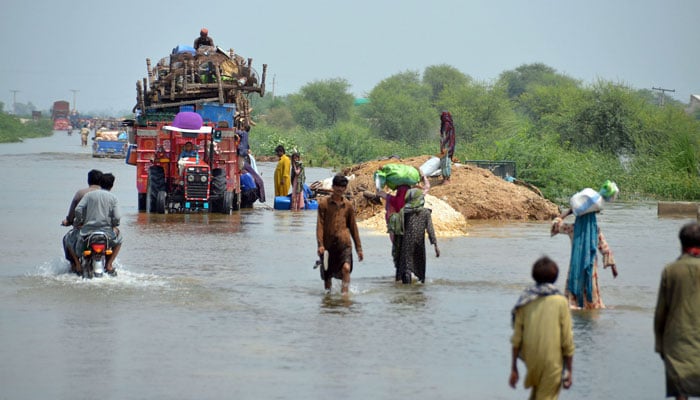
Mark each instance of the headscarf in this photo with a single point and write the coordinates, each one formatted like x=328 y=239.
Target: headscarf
x=414 y=200
x=533 y=293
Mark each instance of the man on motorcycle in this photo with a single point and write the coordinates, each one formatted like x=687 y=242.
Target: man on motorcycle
x=70 y=240
x=99 y=211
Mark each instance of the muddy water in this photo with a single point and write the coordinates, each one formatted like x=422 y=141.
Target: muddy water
x=228 y=306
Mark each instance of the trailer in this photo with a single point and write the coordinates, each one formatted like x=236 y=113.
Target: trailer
x=199 y=97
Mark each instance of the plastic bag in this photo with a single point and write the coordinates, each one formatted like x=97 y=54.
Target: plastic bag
x=586 y=201
x=394 y=175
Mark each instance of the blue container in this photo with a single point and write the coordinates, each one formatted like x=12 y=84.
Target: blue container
x=183 y=48
x=131 y=154
x=215 y=113
x=283 y=203
x=187 y=108
x=311 y=205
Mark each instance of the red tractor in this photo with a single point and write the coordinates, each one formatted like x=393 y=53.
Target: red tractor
x=208 y=179
x=197 y=96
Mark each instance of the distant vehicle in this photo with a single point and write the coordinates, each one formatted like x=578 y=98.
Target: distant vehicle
x=110 y=143
x=213 y=85
x=59 y=113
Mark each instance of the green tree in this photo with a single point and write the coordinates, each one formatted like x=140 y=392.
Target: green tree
x=480 y=114
x=280 y=117
x=440 y=77
x=523 y=78
x=306 y=113
x=331 y=98
x=608 y=120
x=262 y=105
x=400 y=109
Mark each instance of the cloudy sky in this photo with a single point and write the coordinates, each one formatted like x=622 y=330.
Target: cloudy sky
x=94 y=51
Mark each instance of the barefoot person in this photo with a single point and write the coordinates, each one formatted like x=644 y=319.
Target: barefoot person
x=283 y=172
x=416 y=221
x=582 y=288
x=298 y=178
x=336 y=230
x=447 y=145
x=542 y=335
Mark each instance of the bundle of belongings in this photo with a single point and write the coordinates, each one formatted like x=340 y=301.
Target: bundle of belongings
x=394 y=175
x=589 y=200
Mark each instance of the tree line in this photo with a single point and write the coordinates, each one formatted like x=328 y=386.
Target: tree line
x=562 y=135
x=14 y=129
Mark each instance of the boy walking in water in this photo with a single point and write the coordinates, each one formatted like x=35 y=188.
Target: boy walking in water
x=542 y=334
x=336 y=229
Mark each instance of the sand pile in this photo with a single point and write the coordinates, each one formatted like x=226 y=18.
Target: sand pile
x=447 y=222
x=472 y=194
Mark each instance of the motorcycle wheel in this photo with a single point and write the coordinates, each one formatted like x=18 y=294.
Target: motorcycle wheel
x=87 y=272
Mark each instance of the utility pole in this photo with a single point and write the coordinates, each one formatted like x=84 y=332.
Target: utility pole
x=14 y=101
x=74 y=92
x=273 y=86
x=663 y=95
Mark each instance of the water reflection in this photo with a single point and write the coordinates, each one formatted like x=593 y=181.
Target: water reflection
x=409 y=296
x=187 y=223
x=243 y=284
x=336 y=304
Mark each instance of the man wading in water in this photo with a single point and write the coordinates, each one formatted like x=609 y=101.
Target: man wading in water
x=336 y=229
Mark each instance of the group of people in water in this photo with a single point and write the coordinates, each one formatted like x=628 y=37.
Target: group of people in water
x=541 y=320
x=542 y=327
x=290 y=173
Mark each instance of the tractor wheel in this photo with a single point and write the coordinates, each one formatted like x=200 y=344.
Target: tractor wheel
x=217 y=191
x=218 y=182
x=161 y=201
x=156 y=184
x=142 y=201
x=227 y=203
x=236 y=201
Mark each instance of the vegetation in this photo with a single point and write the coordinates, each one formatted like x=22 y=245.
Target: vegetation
x=563 y=135
x=14 y=129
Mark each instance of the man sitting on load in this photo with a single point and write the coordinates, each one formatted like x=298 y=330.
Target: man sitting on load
x=204 y=39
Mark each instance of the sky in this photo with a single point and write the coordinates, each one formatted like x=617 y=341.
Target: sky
x=92 y=52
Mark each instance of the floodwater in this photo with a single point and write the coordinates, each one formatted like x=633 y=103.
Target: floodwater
x=228 y=306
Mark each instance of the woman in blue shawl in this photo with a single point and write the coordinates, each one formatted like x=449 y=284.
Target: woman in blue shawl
x=582 y=288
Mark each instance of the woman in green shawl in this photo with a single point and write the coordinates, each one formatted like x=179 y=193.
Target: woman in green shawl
x=417 y=220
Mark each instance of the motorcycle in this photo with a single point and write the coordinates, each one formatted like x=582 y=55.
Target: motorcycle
x=94 y=256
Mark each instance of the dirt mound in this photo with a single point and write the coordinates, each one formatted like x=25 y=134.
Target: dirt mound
x=474 y=193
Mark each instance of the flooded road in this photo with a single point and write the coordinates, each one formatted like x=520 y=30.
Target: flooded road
x=228 y=306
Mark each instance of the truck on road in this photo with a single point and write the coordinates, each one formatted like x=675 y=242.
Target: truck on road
x=59 y=113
